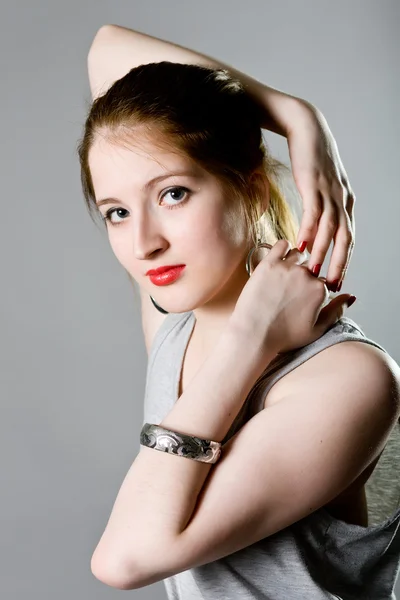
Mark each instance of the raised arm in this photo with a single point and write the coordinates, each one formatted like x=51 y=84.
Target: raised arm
x=328 y=200
x=119 y=50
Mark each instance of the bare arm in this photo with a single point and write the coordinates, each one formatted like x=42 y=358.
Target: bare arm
x=173 y=514
x=118 y=50
x=316 y=165
x=163 y=489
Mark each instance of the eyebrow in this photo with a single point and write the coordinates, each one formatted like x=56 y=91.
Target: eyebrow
x=150 y=184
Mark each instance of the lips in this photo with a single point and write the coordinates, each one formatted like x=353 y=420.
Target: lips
x=167 y=276
x=162 y=269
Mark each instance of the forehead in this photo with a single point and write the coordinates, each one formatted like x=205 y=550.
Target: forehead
x=111 y=162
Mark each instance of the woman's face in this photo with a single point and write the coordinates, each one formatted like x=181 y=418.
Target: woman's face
x=164 y=209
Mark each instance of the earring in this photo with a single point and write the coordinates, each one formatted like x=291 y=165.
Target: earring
x=248 y=268
x=158 y=307
x=254 y=248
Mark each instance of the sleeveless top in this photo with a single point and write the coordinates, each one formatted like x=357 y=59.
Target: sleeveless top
x=319 y=556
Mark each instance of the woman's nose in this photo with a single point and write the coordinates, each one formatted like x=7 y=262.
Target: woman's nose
x=148 y=239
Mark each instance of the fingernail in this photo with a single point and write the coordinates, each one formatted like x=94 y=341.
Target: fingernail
x=334 y=286
x=316 y=270
x=303 y=246
x=340 y=286
x=351 y=301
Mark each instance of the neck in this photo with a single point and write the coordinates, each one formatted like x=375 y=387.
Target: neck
x=212 y=317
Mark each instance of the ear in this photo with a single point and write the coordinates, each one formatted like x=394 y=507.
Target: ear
x=261 y=183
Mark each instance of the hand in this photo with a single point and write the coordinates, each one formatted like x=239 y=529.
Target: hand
x=328 y=200
x=283 y=306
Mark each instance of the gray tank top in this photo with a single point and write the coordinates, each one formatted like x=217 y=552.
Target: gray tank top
x=317 y=557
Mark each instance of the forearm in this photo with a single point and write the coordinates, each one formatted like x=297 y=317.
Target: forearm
x=116 y=50
x=159 y=494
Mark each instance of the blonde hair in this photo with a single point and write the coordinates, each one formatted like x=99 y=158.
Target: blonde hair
x=207 y=115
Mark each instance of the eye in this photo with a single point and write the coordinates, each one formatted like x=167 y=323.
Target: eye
x=109 y=213
x=176 y=191
x=178 y=201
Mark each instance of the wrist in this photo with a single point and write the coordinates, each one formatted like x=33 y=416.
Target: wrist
x=306 y=118
x=254 y=352
x=301 y=115
x=283 y=112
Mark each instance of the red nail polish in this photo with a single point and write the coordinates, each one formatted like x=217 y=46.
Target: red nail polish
x=334 y=286
x=351 y=301
x=340 y=286
x=303 y=246
x=316 y=270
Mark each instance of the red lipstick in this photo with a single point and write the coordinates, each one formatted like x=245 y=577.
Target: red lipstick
x=162 y=269
x=165 y=275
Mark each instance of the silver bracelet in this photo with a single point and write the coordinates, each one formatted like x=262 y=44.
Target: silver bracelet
x=188 y=446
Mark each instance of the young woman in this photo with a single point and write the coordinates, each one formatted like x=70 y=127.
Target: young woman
x=287 y=423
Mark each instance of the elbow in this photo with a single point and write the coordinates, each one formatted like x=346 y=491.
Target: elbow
x=136 y=566
x=111 y=573
x=101 y=35
x=133 y=574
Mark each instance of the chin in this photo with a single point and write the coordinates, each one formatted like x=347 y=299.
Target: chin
x=188 y=297
x=178 y=306
x=181 y=305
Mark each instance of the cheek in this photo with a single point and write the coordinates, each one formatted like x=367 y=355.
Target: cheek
x=216 y=223
x=205 y=234
x=215 y=241
x=121 y=250
x=224 y=232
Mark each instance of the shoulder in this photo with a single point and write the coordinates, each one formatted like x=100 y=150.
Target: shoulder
x=348 y=361
x=352 y=362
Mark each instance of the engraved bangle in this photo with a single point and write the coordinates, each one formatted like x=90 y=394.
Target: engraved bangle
x=188 y=446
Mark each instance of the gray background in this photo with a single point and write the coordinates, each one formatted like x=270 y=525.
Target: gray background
x=73 y=356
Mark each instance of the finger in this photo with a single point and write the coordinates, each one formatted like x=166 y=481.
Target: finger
x=341 y=255
x=312 y=211
x=279 y=250
x=350 y=211
x=343 y=247
x=351 y=201
x=295 y=257
x=332 y=312
x=327 y=228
